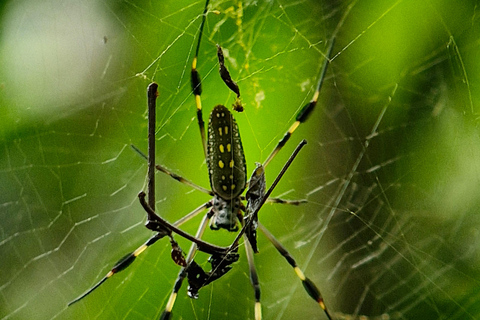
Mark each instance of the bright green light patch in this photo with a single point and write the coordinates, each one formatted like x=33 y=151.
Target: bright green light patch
x=391 y=42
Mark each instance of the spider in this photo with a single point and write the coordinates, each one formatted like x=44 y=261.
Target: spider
x=227 y=172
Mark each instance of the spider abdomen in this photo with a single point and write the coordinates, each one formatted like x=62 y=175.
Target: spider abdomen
x=225 y=157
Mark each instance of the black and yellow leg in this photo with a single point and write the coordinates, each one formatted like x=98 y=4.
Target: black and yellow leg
x=308 y=284
x=253 y=279
x=167 y=313
x=128 y=259
x=289 y=202
x=197 y=83
x=306 y=111
x=122 y=264
x=174 y=175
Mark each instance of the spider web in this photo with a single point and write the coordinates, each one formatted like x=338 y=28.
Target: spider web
x=390 y=171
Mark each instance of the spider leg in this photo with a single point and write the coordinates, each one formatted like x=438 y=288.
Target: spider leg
x=126 y=260
x=288 y=202
x=281 y=200
x=174 y=175
x=308 y=284
x=198 y=278
x=122 y=264
x=227 y=79
x=256 y=197
x=152 y=94
x=158 y=224
x=261 y=201
x=183 y=271
x=305 y=112
x=197 y=83
x=253 y=278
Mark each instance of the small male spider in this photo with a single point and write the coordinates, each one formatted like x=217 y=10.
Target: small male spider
x=227 y=171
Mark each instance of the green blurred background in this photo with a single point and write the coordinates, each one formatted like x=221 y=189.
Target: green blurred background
x=391 y=170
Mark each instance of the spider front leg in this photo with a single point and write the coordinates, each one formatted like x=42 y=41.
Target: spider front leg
x=196 y=83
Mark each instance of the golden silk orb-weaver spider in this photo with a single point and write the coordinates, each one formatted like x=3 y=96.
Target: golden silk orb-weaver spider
x=226 y=164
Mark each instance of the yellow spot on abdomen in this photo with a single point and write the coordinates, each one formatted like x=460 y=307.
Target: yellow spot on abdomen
x=231 y=163
x=229 y=147
x=221 y=164
x=221 y=148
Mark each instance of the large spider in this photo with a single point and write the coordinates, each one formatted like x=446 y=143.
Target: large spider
x=227 y=172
